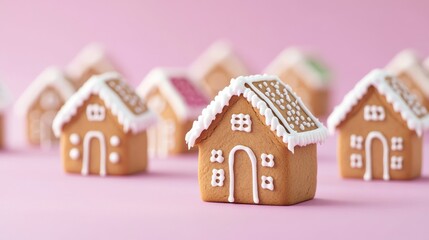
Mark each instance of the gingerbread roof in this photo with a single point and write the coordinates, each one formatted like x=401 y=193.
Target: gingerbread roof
x=118 y=96
x=313 y=70
x=408 y=62
x=284 y=112
x=396 y=93
x=220 y=53
x=51 y=77
x=186 y=99
x=91 y=56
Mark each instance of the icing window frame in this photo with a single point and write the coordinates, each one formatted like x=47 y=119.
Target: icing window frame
x=218 y=177
x=241 y=122
x=356 y=161
x=396 y=162
x=374 y=113
x=356 y=142
x=95 y=112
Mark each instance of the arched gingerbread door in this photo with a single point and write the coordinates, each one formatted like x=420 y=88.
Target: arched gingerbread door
x=369 y=155
x=87 y=152
x=232 y=174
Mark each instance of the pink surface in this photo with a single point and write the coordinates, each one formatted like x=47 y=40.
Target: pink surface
x=37 y=200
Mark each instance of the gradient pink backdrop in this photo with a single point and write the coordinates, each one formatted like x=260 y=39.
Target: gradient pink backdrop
x=352 y=37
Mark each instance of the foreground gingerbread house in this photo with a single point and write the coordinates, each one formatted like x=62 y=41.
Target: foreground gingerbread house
x=103 y=128
x=177 y=101
x=408 y=67
x=214 y=69
x=257 y=144
x=380 y=125
x=307 y=75
x=91 y=60
x=40 y=103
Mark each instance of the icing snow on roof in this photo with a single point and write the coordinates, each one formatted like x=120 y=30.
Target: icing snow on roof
x=186 y=99
x=284 y=112
x=51 y=77
x=91 y=56
x=396 y=93
x=408 y=62
x=312 y=69
x=129 y=109
x=219 y=53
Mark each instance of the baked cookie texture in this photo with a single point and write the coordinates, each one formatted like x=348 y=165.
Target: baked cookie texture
x=102 y=128
x=308 y=76
x=257 y=144
x=39 y=104
x=91 y=60
x=216 y=67
x=380 y=125
x=409 y=68
x=177 y=101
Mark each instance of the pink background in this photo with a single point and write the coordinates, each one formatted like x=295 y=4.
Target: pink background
x=353 y=38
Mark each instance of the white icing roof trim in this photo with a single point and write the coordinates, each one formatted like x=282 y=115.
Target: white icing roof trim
x=376 y=78
x=295 y=58
x=50 y=77
x=91 y=56
x=97 y=85
x=161 y=77
x=218 y=53
x=237 y=88
x=407 y=61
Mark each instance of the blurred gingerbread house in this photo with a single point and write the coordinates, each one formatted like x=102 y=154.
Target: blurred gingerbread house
x=39 y=104
x=177 y=101
x=215 y=68
x=408 y=67
x=91 y=60
x=307 y=75
x=380 y=125
x=4 y=101
x=103 y=128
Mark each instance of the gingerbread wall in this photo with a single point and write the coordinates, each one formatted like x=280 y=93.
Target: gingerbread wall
x=216 y=79
x=392 y=126
x=316 y=100
x=131 y=149
x=177 y=144
x=293 y=182
x=39 y=112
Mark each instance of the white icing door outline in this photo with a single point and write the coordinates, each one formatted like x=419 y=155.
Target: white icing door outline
x=45 y=129
x=231 y=161
x=87 y=148
x=368 y=161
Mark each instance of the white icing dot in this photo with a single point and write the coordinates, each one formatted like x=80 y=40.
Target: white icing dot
x=114 y=157
x=74 y=154
x=289 y=107
x=74 y=139
x=302 y=117
x=301 y=127
x=115 y=141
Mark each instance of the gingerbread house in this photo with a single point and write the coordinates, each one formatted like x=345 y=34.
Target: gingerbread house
x=177 y=101
x=257 y=144
x=102 y=128
x=91 y=60
x=216 y=67
x=40 y=103
x=307 y=75
x=408 y=67
x=4 y=101
x=380 y=125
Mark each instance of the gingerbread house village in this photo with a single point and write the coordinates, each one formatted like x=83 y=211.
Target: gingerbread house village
x=103 y=128
x=91 y=60
x=39 y=104
x=408 y=67
x=380 y=125
x=177 y=101
x=257 y=144
x=216 y=67
x=307 y=75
